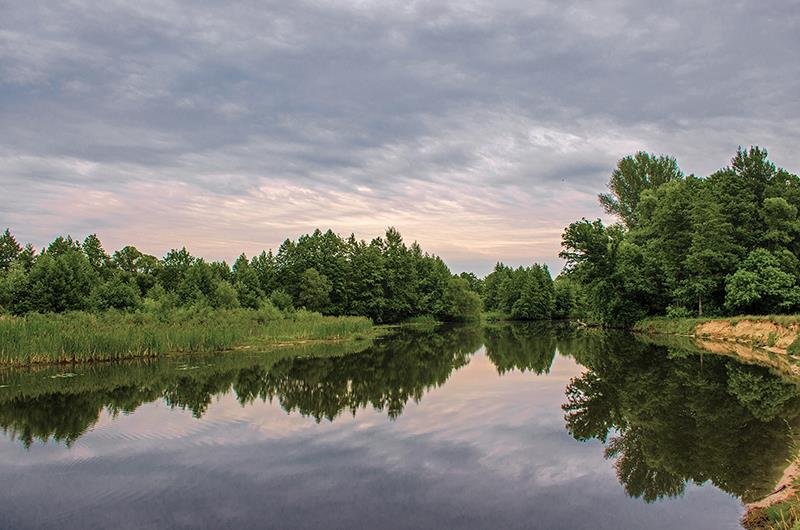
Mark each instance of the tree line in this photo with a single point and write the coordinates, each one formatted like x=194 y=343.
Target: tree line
x=526 y=293
x=689 y=246
x=383 y=279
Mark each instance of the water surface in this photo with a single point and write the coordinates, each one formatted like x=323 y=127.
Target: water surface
x=500 y=427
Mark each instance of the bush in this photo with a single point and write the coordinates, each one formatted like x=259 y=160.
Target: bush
x=679 y=312
x=267 y=312
x=281 y=299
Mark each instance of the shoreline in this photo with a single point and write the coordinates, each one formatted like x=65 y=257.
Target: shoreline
x=82 y=338
x=267 y=348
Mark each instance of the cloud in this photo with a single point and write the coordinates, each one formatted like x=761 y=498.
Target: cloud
x=478 y=128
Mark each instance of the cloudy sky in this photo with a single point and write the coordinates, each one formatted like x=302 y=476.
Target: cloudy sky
x=478 y=128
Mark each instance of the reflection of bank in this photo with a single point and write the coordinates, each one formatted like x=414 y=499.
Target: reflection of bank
x=674 y=416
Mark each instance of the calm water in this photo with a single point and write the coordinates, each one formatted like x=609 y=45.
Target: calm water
x=506 y=427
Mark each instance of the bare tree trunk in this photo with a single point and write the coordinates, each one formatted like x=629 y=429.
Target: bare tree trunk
x=699 y=306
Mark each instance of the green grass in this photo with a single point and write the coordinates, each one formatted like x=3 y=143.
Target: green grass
x=669 y=326
x=86 y=337
x=495 y=316
x=686 y=326
x=423 y=321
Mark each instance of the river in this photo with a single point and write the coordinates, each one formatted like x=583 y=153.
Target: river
x=507 y=426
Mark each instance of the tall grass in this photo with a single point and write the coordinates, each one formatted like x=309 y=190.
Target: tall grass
x=81 y=337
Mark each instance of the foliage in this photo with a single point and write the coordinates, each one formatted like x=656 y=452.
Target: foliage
x=315 y=290
x=761 y=284
x=384 y=279
x=524 y=293
x=633 y=175
x=724 y=244
x=9 y=250
x=461 y=303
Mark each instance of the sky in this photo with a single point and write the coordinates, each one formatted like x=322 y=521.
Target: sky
x=479 y=129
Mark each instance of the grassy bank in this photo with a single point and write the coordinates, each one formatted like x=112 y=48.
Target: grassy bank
x=87 y=337
x=778 y=333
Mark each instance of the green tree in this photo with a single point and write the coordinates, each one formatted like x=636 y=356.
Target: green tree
x=399 y=278
x=224 y=296
x=98 y=259
x=247 y=283
x=633 y=175
x=15 y=293
x=712 y=255
x=781 y=223
x=760 y=286
x=564 y=297
x=281 y=299
x=461 y=303
x=475 y=284
x=174 y=267
x=536 y=297
x=592 y=253
x=315 y=290
x=61 y=280
x=116 y=293
x=9 y=250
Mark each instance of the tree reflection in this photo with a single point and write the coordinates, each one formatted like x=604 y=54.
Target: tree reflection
x=674 y=418
x=385 y=377
x=527 y=347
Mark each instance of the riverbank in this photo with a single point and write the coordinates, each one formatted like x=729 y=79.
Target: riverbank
x=80 y=337
x=773 y=333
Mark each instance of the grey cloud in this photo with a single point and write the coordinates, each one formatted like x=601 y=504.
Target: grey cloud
x=518 y=101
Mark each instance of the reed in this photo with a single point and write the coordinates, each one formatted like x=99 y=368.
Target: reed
x=85 y=337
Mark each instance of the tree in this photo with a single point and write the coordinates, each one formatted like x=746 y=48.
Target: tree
x=564 y=298
x=780 y=220
x=63 y=245
x=365 y=281
x=224 y=296
x=98 y=259
x=760 y=286
x=712 y=255
x=15 y=289
x=494 y=285
x=9 y=250
x=536 y=298
x=475 y=284
x=633 y=175
x=281 y=299
x=27 y=257
x=197 y=285
x=461 y=303
x=592 y=252
x=247 y=284
x=116 y=293
x=315 y=290
x=174 y=266
x=61 y=280
x=400 y=279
